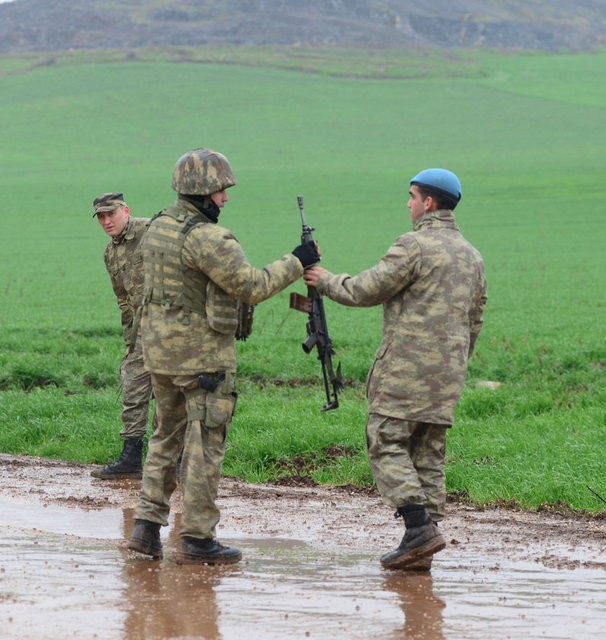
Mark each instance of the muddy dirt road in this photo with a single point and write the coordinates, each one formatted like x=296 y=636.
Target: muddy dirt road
x=310 y=568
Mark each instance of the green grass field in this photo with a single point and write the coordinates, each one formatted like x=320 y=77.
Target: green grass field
x=525 y=133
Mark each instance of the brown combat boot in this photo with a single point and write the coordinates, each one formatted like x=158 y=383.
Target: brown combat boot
x=206 y=551
x=146 y=539
x=421 y=540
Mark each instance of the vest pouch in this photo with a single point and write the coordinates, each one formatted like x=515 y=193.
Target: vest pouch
x=221 y=310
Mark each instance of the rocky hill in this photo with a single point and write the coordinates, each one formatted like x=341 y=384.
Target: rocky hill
x=549 y=25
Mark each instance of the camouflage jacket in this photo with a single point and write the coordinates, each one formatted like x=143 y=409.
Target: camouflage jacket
x=124 y=264
x=432 y=286
x=200 y=337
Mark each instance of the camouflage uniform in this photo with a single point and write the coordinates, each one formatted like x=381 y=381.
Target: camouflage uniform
x=124 y=264
x=196 y=276
x=433 y=290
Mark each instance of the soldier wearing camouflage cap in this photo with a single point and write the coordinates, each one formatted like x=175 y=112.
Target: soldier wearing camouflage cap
x=432 y=287
x=124 y=264
x=197 y=278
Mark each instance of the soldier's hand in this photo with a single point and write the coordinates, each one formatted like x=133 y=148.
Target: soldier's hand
x=312 y=275
x=307 y=253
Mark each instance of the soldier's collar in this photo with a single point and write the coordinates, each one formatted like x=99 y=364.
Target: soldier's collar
x=128 y=233
x=440 y=216
x=204 y=205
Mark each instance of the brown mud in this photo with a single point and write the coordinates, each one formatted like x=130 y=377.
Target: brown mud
x=310 y=567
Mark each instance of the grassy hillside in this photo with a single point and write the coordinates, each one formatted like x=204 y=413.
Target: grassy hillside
x=525 y=134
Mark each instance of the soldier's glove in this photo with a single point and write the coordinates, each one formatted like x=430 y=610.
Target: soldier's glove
x=307 y=254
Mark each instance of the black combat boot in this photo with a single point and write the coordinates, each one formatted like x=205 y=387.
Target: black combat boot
x=206 y=551
x=422 y=565
x=146 y=539
x=421 y=540
x=128 y=465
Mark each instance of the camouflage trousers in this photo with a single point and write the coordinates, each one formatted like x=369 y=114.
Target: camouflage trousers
x=136 y=394
x=407 y=462
x=195 y=422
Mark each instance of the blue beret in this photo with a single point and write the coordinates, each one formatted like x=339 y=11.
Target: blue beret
x=440 y=180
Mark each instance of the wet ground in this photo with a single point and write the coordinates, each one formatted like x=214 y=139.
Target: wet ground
x=310 y=568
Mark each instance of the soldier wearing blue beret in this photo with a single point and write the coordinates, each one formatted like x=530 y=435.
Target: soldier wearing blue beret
x=432 y=287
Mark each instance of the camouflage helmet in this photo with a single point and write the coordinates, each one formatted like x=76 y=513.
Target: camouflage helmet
x=202 y=172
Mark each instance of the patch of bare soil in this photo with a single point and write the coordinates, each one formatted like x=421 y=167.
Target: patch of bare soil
x=332 y=517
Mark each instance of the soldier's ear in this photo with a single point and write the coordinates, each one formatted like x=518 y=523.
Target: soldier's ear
x=126 y=210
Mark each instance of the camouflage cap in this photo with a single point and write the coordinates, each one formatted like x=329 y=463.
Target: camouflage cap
x=108 y=202
x=202 y=172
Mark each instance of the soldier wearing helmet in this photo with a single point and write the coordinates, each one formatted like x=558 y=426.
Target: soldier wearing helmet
x=197 y=278
x=124 y=264
x=432 y=287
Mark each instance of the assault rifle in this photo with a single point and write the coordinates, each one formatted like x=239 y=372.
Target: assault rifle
x=317 y=330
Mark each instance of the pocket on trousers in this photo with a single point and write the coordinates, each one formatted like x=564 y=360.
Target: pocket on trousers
x=219 y=410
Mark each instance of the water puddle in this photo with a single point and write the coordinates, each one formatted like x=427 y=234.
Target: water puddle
x=64 y=573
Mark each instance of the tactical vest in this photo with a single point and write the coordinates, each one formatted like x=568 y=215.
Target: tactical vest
x=172 y=285
x=168 y=282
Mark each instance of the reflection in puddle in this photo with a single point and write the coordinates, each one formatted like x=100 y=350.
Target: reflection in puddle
x=64 y=573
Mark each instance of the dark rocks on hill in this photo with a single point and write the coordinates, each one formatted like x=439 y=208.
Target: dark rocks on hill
x=550 y=25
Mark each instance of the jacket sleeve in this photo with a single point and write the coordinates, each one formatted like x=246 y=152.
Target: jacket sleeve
x=476 y=311
x=216 y=252
x=396 y=269
x=126 y=316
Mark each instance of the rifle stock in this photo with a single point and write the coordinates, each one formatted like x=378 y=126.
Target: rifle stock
x=317 y=328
